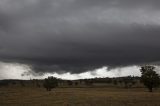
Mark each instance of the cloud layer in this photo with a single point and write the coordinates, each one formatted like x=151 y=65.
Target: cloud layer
x=21 y=71
x=79 y=35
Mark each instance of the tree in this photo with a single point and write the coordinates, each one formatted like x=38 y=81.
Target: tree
x=22 y=83
x=88 y=82
x=76 y=83
x=50 y=82
x=115 y=82
x=70 y=83
x=149 y=77
x=38 y=85
x=127 y=81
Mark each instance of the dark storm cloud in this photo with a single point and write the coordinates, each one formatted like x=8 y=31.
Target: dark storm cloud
x=79 y=35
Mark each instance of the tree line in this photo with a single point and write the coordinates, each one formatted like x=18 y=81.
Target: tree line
x=149 y=78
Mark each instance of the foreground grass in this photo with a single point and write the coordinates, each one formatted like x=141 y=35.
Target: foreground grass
x=78 y=97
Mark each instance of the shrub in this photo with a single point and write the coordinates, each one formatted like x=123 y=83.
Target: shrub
x=50 y=82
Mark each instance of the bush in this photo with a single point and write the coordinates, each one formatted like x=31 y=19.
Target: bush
x=149 y=77
x=50 y=82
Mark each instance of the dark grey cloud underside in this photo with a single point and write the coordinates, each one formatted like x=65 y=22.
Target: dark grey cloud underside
x=79 y=35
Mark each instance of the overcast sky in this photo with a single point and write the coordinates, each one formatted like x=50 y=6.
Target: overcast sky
x=78 y=36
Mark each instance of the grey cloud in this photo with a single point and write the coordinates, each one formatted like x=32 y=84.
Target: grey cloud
x=79 y=35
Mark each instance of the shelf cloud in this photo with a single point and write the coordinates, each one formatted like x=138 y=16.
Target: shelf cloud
x=76 y=36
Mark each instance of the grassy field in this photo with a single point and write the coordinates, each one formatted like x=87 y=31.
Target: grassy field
x=19 y=96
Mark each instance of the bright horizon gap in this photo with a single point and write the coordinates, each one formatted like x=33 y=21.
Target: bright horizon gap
x=22 y=71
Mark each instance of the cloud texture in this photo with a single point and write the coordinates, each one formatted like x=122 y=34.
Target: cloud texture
x=79 y=35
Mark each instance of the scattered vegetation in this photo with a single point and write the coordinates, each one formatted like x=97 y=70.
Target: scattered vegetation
x=149 y=77
x=84 y=92
x=50 y=82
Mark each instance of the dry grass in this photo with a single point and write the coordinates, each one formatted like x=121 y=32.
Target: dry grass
x=78 y=97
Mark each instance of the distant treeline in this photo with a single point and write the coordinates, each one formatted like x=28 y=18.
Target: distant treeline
x=126 y=82
x=149 y=79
